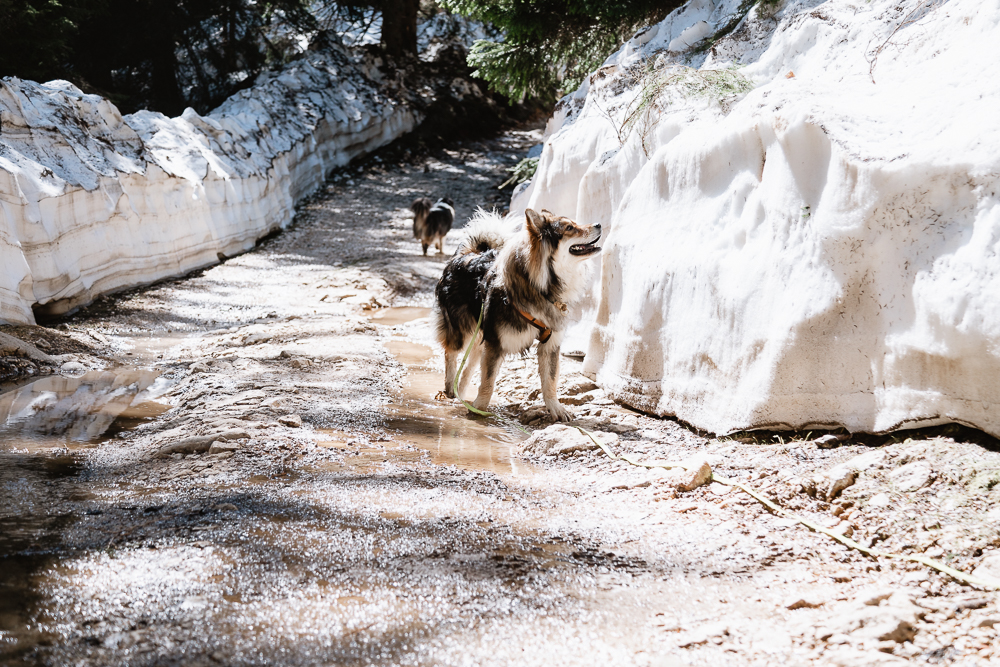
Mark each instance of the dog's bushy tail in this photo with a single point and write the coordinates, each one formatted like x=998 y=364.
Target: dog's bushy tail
x=485 y=231
x=421 y=206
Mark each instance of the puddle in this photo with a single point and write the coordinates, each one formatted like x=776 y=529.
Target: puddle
x=442 y=428
x=394 y=316
x=70 y=412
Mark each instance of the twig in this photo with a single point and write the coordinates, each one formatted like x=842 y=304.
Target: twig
x=905 y=22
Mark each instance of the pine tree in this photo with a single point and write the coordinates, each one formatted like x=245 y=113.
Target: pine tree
x=550 y=45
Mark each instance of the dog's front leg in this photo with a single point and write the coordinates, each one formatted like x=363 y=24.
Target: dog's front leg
x=450 y=369
x=548 y=368
x=489 y=367
x=474 y=355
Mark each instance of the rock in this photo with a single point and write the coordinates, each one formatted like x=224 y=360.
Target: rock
x=831 y=440
x=844 y=528
x=916 y=578
x=874 y=623
x=197 y=443
x=804 y=603
x=874 y=596
x=988 y=569
x=629 y=482
x=577 y=400
x=300 y=363
x=560 y=439
x=703 y=634
x=11 y=345
x=832 y=483
x=222 y=447
x=533 y=414
x=697 y=472
x=99 y=337
x=912 y=476
x=73 y=368
x=199 y=367
x=277 y=402
x=580 y=386
x=893 y=619
x=256 y=338
x=849 y=656
x=879 y=500
x=224 y=507
x=292 y=421
x=605 y=424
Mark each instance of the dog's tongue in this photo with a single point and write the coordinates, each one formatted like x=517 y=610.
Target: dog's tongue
x=583 y=250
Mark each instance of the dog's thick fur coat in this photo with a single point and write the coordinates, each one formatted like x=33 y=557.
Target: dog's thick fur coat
x=511 y=276
x=432 y=222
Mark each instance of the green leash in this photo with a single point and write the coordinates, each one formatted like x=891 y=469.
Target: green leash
x=454 y=384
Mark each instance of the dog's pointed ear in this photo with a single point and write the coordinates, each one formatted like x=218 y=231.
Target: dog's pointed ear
x=534 y=222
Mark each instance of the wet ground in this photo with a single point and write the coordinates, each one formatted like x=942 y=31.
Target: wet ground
x=249 y=466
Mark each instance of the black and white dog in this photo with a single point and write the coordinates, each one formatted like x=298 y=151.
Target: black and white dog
x=522 y=282
x=431 y=222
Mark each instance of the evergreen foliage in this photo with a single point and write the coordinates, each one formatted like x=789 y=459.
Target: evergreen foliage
x=36 y=36
x=550 y=45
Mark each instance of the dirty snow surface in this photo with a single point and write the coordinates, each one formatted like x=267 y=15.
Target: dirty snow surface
x=818 y=250
x=91 y=201
x=248 y=466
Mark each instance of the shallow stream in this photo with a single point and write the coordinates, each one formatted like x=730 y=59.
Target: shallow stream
x=442 y=427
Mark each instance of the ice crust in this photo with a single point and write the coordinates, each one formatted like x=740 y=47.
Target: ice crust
x=821 y=251
x=91 y=201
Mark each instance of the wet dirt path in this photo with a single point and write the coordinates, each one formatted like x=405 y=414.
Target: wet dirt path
x=262 y=475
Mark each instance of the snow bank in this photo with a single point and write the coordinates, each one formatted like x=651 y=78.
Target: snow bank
x=91 y=201
x=820 y=251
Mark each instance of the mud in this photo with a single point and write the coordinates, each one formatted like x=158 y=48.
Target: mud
x=333 y=511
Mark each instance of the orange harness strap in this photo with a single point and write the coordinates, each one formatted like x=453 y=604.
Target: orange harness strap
x=544 y=333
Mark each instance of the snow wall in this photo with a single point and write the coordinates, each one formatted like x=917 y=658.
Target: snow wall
x=92 y=202
x=820 y=251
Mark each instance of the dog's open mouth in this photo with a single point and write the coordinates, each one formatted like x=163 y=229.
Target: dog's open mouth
x=584 y=249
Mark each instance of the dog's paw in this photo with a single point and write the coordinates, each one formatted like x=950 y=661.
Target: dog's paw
x=558 y=412
x=443 y=396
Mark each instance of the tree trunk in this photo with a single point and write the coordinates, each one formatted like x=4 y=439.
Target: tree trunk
x=399 y=27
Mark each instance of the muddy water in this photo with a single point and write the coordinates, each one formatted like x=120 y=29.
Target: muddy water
x=42 y=424
x=73 y=412
x=442 y=427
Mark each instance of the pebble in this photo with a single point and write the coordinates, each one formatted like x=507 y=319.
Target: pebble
x=804 y=603
x=698 y=473
x=879 y=500
x=830 y=440
x=560 y=439
x=73 y=368
x=988 y=569
x=224 y=447
x=912 y=476
x=292 y=421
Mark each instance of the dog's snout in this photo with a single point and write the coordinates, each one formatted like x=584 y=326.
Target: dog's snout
x=597 y=228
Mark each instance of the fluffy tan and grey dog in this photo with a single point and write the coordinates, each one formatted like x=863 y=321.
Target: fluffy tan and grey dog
x=432 y=222
x=521 y=280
